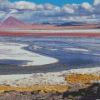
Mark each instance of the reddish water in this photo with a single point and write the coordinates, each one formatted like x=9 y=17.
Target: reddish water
x=48 y=34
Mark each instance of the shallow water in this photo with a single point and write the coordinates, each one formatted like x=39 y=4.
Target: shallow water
x=73 y=52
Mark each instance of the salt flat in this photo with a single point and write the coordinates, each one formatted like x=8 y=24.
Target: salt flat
x=45 y=79
x=55 y=31
x=14 y=51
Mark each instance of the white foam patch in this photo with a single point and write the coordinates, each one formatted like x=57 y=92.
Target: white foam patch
x=37 y=47
x=96 y=54
x=77 y=49
x=53 y=49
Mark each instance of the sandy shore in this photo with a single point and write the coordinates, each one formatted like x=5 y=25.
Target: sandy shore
x=45 y=79
x=14 y=51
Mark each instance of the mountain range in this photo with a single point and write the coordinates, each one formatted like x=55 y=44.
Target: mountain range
x=13 y=23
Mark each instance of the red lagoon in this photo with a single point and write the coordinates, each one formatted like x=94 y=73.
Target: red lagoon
x=18 y=34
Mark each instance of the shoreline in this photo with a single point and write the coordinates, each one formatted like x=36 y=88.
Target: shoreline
x=45 y=79
x=54 y=31
x=14 y=51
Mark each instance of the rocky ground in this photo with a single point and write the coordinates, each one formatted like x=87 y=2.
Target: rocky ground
x=73 y=85
x=74 y=93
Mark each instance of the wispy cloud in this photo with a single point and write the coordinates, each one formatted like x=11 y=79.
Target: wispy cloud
x=31 y=12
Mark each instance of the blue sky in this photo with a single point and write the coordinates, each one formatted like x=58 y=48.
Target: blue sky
x=52 y=11
x=56 y=2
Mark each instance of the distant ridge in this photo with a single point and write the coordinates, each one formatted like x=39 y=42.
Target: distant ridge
x=37 y=24
x=71 y=24
x=12 y=22
x=46 y=23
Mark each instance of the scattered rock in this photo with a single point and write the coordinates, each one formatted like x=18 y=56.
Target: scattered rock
x=35 y=92
x=76 y=92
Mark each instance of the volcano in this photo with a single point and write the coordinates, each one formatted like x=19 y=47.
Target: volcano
x=13 y=23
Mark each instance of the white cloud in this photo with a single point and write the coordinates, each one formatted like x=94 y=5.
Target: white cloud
x=85 y=9
x=13 y=11
x=25 y=5
x=80 y=19
x=57 y=9
x=95 y=2
x=3 y=1
x=5 y=5
x=66 y=9
x=48 y=6
x=97 y=9
x=2 y=13
x=86 y=5
x=29 y=11
x=40 y=6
